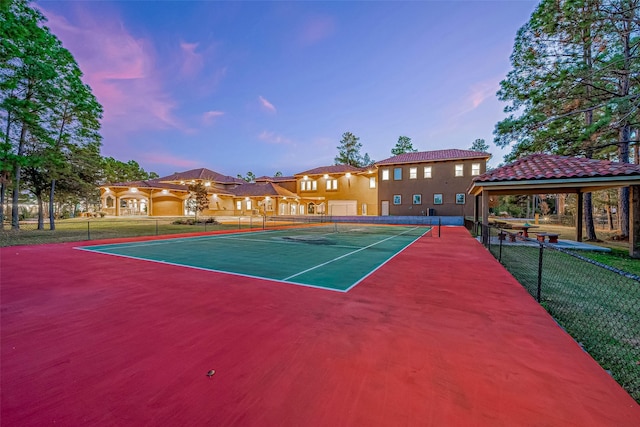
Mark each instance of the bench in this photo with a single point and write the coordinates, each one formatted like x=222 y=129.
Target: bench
x=512 y=236
x=553 y=237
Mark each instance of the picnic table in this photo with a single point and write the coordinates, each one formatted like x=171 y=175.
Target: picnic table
x=525 y=228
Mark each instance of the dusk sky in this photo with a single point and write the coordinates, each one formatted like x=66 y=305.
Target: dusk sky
x=272 y=86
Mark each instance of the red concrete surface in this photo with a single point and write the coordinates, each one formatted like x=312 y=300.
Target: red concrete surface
x=442 y=335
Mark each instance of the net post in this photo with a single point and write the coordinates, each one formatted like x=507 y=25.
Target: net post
x=439 y=225
x=538 y=295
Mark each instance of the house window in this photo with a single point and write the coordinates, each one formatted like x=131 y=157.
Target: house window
x=437 y=199
x=249 y=205
x=475 y=169
x=332 y=184
x=397 y=174
x=239 y=205
x=460 y=170
x=460 y=199
x=308 y=185
x=413 y=173
x=372 y=182
x=397 y=199
x=427 y=171
x=385 y=174
x=417 y=199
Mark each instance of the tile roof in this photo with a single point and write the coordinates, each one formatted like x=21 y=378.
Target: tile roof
x=332 y=169
x=262 y=190
x=274 y=178
x=202 y=174
x=151 y=183
x=434 y=156
x=548 y=166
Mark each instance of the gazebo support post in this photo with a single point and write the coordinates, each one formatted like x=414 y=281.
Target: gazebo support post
x=579 y=216
x=485 y=217
x=634 y=221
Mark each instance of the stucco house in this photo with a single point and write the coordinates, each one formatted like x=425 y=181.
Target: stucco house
x=422 y=183
x=429 y=182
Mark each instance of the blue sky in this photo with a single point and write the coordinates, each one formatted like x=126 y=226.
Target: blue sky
x=272 y=86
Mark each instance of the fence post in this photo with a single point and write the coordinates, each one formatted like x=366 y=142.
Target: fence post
x=439 y=225
x=156 y=227
x=239 y=223
x=538 y=296
x=88 y=230
x=264 y=222
x=500 y=240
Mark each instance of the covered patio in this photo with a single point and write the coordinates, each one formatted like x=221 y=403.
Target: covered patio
x=552 y=174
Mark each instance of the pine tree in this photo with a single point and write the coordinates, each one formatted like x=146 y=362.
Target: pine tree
x=349 y=151
x=403 y=145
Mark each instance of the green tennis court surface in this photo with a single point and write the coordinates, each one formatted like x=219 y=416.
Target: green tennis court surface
x=333 y=256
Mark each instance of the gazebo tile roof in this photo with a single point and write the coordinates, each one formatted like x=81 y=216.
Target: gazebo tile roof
x=434 y=156
x=546 y=166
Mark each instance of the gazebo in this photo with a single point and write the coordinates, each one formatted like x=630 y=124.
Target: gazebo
x=551 y=174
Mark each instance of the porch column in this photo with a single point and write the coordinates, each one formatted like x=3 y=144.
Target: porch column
x=580 y=215
x=485 y=217
x=634 y=221
x=117 y=205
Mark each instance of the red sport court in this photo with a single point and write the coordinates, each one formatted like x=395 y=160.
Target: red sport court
x=438 y=335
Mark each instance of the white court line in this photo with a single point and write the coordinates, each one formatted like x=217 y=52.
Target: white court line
x=348 y=254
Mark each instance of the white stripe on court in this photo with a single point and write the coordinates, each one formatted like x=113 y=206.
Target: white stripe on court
x=348 y=254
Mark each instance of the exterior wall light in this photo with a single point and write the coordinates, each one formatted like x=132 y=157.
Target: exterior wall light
x=207 y=184
x=164 y=192
x=326 y=176
x=348 y=175
x=106 y=190
x=134 y=190
x=305 y=177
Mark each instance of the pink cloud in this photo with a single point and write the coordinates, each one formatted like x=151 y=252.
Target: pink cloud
x=210 y=116
x=192 y=62
x=120 y=68
x=273 y=138
x=267 y=105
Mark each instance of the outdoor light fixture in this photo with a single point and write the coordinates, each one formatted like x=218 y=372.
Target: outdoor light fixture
x=181 y=182
x=326 y=176
x=284 y=198
x=164 y=191
x=106 y=190
x=134 y=190
x=267 y=198
x=348 y=175
x=305 y=177
x=215 y=195
x=246 y=198
x=207 y=184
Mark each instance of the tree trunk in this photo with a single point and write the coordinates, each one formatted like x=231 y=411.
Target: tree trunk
x=588 y=218
x=15 y=220
x=609 y=214
x=3 y=190
x=623 y=193
x=52 y=221
x=40 y=211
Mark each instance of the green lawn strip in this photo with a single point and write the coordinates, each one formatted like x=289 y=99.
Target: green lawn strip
x=599 y=308
x=617 y=258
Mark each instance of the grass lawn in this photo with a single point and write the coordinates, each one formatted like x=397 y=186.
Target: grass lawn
x=81 y=229
x=599 y=308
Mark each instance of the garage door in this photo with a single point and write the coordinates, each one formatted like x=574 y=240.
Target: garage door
x=343 y=207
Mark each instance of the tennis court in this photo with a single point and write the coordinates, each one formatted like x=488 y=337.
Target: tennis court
x=331 y=256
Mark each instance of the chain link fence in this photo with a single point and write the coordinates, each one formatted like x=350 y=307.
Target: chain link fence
x=599 y=306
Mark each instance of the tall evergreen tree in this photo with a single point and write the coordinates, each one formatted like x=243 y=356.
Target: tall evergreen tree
x=403 y=145
x=479 y=145
x=50 y=114
x=349 y=150
x=562 y=89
